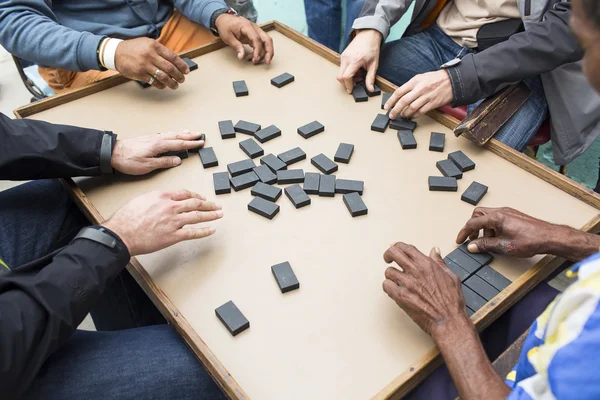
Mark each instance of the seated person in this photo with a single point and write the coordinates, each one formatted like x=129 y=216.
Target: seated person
x=76 y=42
x=438 y=62
x=559 y=358
x=55 y=269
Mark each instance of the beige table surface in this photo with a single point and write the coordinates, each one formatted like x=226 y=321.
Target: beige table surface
x=339 y=336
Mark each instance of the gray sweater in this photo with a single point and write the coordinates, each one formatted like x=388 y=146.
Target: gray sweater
x=66 y=33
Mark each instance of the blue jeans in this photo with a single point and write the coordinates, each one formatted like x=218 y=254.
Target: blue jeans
x=135 y=354
x=324 y=20
x=426 y=51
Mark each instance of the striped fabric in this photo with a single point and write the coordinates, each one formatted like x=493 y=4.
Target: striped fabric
x=561 y=355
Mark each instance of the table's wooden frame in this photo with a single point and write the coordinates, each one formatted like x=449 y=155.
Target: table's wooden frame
x=405 y=382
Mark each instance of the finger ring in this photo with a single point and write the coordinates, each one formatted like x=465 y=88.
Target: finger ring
x=151 y=81
x=155 y=76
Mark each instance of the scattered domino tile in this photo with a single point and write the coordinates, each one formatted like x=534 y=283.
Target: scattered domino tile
x=311 y=129
x=401 y=123
x=251 y=148
x=380 y=123
x=324 y=164
x=292 y=156
x=285 y=277
x=384 y=99
x=240 y=88
x=144 y=85
x=474 y=193
x=344 y=186
x=245 y=127
x=264 y=208
x=221 y=183
x=327 y=186
x=240 y=167
x=407 y=140
x=359 y=93
x=282 y=80
x=311 y=182
x=274 y=163
x=268 y=133
x=449 y=169
x=232 y=318
x=344 y=153
x=442 y=184
x=244 y=181
x=265 y=191
x=208 y=157
x=493 y=277
x=355 y=204
x=285 y=177
x=226 y=129
x=297 y=196
x=481 y=287
x=473 y=300
x=437 y=142
x=193 y=66
x=461 y=160
x=265 y=174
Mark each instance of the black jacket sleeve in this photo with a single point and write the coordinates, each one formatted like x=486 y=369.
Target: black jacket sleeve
x=42 y=303
x=32 y=149
x=543 y=47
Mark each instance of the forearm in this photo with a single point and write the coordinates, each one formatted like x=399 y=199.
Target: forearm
x=472 y=372
x=572 y=244
x=199 y=11
x=35 y=150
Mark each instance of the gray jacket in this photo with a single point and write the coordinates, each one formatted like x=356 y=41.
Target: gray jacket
x=546 y=48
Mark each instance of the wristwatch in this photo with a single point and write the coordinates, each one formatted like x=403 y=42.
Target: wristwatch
x=216 y=14
x=101 y=235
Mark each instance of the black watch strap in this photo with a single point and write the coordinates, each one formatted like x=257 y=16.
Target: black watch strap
x=216 y=14
x=99 y=235
x=109 y=140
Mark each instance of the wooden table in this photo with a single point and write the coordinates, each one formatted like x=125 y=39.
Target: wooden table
x=339 y=335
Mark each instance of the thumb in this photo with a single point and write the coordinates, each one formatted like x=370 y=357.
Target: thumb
x=164 y=162
x=436 y=256
x=235 y=44
x=371 y=72
x=485 y=244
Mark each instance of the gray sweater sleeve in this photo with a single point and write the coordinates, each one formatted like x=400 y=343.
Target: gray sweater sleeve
x=381 y=15
x=199 y=11
x=29 y=29
x=544 y=46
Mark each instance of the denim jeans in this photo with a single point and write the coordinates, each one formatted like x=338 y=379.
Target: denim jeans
x=426 y=51
x=324 y=20
x=135 y=354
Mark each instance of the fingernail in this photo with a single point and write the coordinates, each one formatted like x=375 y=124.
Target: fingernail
x=218 y=206
x=437 y=250
x=176 y=161
x=472 y=247
x=211 y=230
x=219 y=213
x=385 y=107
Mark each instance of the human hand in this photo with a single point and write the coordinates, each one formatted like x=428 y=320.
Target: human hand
x=361 y=53
x=157 y=220
x=138 y=156
x=423 y=93
x=141 y=58
x=237 y=31
x=426 y=289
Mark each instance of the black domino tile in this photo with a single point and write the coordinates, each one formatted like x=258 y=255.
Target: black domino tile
x=462 y=273
x=311 y=182
x=407 y=139
x=232 y=318
x=461 y=160
x=380 y=123
x=344 y=186
x=437 y=141
x=240 y=88
x=473 y=300
x=282 y=80
x=474 y=193
x=327 y=186
x=221 y=183
x=442 y=184
x=274 y=163
x=297 y=196
x=449 y=169
x=197 y=149
x=464 y=261
x=375 y=92
x=265 y=191
x=264 y=208
x=481 y=287
x=359 y=93
x=193 y=66
x=144 y=85
x=401 y=123
x=208 y=157
x=311 y=129
x=226 y=129
x=247 y=128
x=292 y=156
x=355 y=204
x=481 y=258
x=324 y=164
x=244 y=181
x=265 y=174
x=251 y=148
x=285 y=277
x=268 y=133
x=384 y=99
x=241 y=167
x=285 y=177
x=344 y=153
x=493 y=277
x=183 y=154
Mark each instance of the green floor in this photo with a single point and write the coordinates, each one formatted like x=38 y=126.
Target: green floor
x=291 y=12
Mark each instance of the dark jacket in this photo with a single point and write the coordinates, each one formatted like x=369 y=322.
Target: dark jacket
x=43 y=302
x=547 y=48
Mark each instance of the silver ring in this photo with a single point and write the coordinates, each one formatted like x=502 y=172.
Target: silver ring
x=155 y=76
x=151 y=81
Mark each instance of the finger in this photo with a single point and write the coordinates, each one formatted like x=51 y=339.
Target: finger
x=174 y=59
x=235 y=44
x=429 y=105
x=371 y=73
x=398 y=93
x=473 y=226
x=183 y=194
x=194 y=233
x=404 y=102
x=185 y=135
x=343 y=66
x=197 y=217
x=155 y=163
x=436 y=256
x=162 y=77
x=348 y=76
x=490 y=244
x=413 y=108
x=254 y=40
x=169 y=69
x=268 y=44
x=196 y=204
x=156 y=84
x=397 y=255
x=392 y=289
x=176 y=145
x=395 y=275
